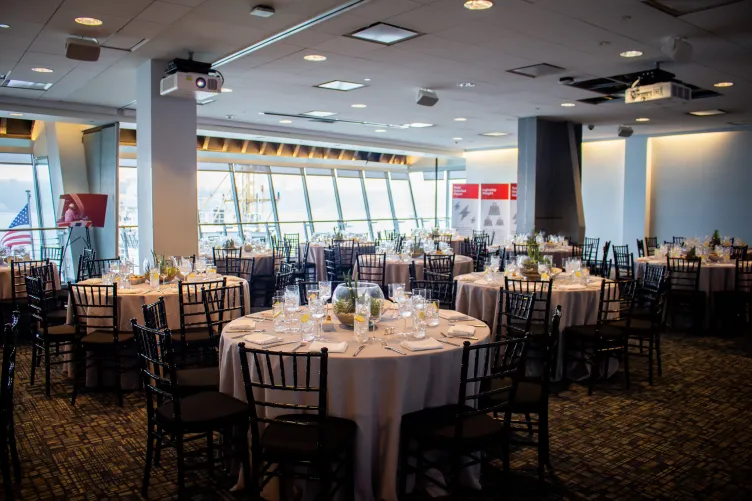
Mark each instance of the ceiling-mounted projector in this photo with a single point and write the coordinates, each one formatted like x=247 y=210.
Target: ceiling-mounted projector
x=427 y=97
x=195 y=85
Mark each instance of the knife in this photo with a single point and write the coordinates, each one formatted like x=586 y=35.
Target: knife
x=395 y=350
x=360 y=348
x=280 y=344
x=446 y=342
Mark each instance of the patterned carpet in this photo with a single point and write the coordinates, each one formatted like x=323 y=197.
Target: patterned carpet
x=687 y=437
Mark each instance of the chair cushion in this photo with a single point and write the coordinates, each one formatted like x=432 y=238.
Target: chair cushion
x=205 y=408
x=206 y=378
x=288 y=440
x=192 y=335
x=61 y=330
x=57 y=316
x=437 y=424
x=610 y=330
x=636 y=324
x=105 y=337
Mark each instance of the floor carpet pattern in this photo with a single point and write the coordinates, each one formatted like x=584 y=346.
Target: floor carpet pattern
x=687 y=437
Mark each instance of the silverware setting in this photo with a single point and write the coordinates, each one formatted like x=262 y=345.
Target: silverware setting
x=387 y=347
x=299 y=345
x=243 y=333
x=360 y=348
x=463 y=337
x=281 y=344
x=444 y=341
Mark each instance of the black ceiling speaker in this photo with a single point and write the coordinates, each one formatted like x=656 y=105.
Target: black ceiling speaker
x=625 y=131
x=427 y=97
x=81 y=49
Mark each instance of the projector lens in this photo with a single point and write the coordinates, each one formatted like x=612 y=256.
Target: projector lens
x=200 y=83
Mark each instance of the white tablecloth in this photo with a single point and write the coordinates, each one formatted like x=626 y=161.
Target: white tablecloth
x=375 y=390
x=6 y=284
x=713 y=276
x=398 y=272
x=578 y=307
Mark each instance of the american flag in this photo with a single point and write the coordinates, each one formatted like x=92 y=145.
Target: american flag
x=18 y=237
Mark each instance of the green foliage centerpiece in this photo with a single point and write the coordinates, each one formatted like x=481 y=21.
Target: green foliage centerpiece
x=347 y=295
x=530 y=266
x=167 y=266
x=715 y=240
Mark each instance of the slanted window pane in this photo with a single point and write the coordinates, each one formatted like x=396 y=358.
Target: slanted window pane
x=353 y=206
x=255 y=203
x=323 y=202
x=378 y=204
x=291 y=206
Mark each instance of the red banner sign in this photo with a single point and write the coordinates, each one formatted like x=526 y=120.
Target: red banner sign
x=465 y=191
x=494 y=192
x=514 y=191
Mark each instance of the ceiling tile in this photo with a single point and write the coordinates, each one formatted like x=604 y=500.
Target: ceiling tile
x=163 y=12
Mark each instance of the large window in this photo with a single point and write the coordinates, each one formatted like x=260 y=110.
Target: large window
x=128 y=212
x=430 y=196
x=254 y=201
x=351 y=197
x=291 y=204
x=217 y=216
x=379 y=203
x=403 y=202
x=323 y=200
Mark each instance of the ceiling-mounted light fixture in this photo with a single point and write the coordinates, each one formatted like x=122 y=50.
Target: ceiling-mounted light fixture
x=723 y=84
x=478 y=4
x=340 y=85
x=263 y=11
x=568 y=105
x=642 y=120
x=89 y=21
x=631 y=53
x=42 y=70
x=358 y=106
x=707 y=113
x=16 y=114
x=315 y=58
x=495 y=134
x=460 y=119
x=226 y=89
x=4 y=25
x=419 y=125
x=380 y=130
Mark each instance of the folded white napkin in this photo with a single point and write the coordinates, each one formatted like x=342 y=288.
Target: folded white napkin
x=240 y=326
x=467 y=278
x=422 y=345
x=461 y=331
x=262 y=339
x=332 y=347
x=451 y=315
x=130 y=291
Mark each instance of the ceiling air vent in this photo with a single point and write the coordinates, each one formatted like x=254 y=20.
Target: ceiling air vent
x=678 y=8
x=537 y=70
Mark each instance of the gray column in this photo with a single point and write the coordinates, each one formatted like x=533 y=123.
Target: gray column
x=636 y=210
x=549 y=170
x=167 y=169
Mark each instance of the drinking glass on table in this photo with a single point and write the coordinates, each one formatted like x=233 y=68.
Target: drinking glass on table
x=432 y=313
x=312 y=292
x=211 y=272
x=405 y=306
x=361 y=320
x=278 y=312
x=201 y=265
x=154 y=279
x=396 y=290
x=186 y=266
x=325 y=290
x=307 y=326
x=317 y=308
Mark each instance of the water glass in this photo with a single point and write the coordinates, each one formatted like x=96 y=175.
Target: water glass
x=419 y=327
x=307 y=326
x=405 y=306
x=362 y=321
x=432 y=314
x=294 y=323
x=201 y=264
x=395 y=291
x=325 y=290
x=154 y=278
x=211 y=271
x=317 y=307
x=107 y=278
x=278 y=312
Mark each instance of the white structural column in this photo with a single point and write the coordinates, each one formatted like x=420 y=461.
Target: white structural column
x=636 y=190
x=167 y=169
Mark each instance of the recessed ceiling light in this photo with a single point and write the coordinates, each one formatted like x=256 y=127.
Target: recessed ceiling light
x=466 y=85
x=642 y=120
x=723 y=84
x=568 y=105
x=21 y=84
x=316 y=58
x=383 y=33
x=89 y=21
x=42 y=70
x=456 y=139
x=420 y=125
x=631 y=53
x=366 y=79
x=4 y=26
x=359 y=106
x=380 y=130
x=495 y=134
x=478 y=4
x=226 y=89
x=285 y=121
x=706 y=113
x=16 y=114
x=319 y=113
x=460 y=119
x=340 y=85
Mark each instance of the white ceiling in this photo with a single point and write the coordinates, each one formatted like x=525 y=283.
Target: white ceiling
x=458 y=45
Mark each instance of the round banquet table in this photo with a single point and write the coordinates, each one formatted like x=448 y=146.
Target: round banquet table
x=713 y=276
x=263 y=265
x=398 y=271
x=375 y=390
x=6 y=284
x=579 y=306
x=129 y=305
x=557 y=254
x=316 y=256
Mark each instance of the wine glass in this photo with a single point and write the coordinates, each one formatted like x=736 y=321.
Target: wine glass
x=325 y=290
x=186 y=266
x=201 y=264
x=396 y=290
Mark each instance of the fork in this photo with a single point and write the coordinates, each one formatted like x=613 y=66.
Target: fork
x=387 y=347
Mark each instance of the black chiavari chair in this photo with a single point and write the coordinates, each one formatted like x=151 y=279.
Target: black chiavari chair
x=541 y=291
x=8 y=447
x=221 y=255
x=640 y=248
x=155 y=315
x=100 y=267
x=284 y=277
x=514 y=313
x=609 y=336
x=46 y=333
x=684 y=295
x=648 y=325
x=222 y=305
x=372 y=268
x=739 y=252
x=345 y=249
x=445 y=292
x=18 y=272
x=466 y=430
x=733 y=308
x=52 y=253
x=651 y=243
x=678 y=240
x=177 y=415
x=292 y=241
x=594 y=244
x=581 y=251
x=101 y=343
x=623 y=262
x=520 y=249
x=532 y=397
x=195 y=333
x=280 y=254
x=438 y=268
x=303 y=434
x=56 y=312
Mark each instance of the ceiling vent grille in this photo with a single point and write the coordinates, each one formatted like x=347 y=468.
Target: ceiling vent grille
x=678 y=8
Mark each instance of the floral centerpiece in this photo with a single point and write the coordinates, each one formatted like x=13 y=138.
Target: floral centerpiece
x=347 y=294
x=229 y=244
x=167 y=266
x=715 y=240
x=530 y=265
